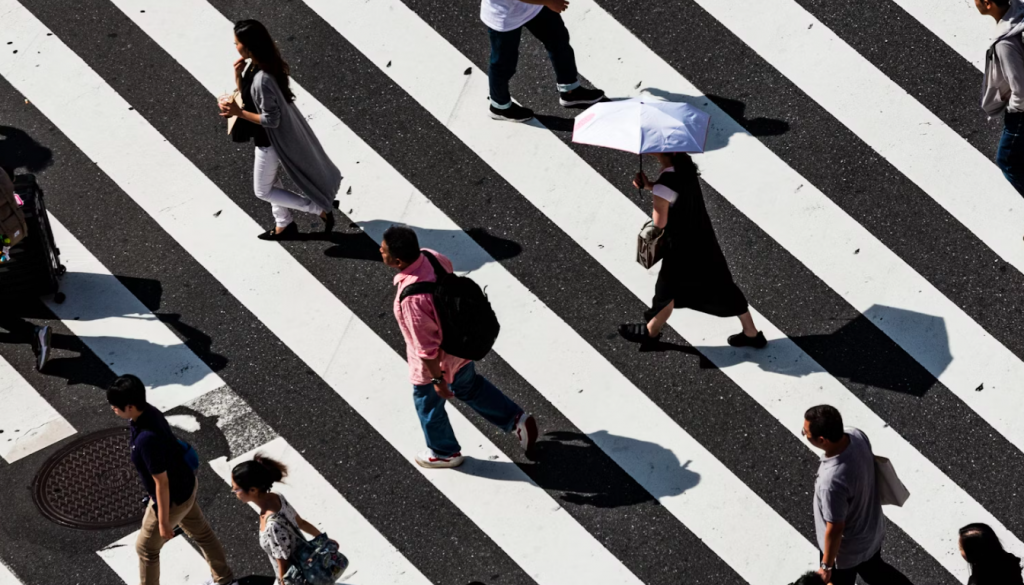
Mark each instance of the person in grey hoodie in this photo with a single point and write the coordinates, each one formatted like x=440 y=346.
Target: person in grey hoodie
x=1003 y=87
x=282 y=136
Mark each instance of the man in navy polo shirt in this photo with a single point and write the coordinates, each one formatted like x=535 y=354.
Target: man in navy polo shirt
x=169 y=481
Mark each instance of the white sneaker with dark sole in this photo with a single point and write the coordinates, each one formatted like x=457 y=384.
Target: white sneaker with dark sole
x=42 y=343
x=526 y=430
x=430 y=460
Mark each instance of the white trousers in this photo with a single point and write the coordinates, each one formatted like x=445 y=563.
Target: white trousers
x=268 y=187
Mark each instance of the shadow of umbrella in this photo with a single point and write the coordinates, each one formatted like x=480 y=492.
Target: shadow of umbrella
x=560 y=459
x=857 y=352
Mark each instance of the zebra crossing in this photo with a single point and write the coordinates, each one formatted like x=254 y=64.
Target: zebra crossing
x=176 y=193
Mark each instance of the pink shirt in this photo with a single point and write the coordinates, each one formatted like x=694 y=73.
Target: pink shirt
x=417 y=318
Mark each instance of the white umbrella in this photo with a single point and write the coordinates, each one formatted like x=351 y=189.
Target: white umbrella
x=643 y=125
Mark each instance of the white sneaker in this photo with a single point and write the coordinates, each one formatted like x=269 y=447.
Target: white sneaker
x=526 y=430
x=430 y=459
x=42 y=343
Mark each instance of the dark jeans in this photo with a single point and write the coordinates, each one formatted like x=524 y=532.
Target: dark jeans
x=549 y=29
x=874 y=571
x=474 y=390
x=1010 y=156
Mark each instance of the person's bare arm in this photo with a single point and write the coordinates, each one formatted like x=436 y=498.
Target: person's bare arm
x=282 y=568
x=660 y=214
x=307 y=527
x=833 y=537
x=163 y=505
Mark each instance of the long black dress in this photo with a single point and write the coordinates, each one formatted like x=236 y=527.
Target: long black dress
x=694 y=273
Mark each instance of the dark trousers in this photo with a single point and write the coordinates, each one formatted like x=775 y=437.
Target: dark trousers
x=1010 y=156
x=874 y=571
x=549 y=29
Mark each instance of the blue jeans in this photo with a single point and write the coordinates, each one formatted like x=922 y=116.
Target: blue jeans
x=474 y=390
x=549 y=29
x=1010 y=156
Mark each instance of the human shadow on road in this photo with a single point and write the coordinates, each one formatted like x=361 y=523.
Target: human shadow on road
x=857 y=352
x=559 y=456
x=19 y=150
x=452 y=243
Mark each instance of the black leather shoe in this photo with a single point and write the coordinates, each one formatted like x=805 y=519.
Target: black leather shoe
x=637 y=333
x=741 y=340
x=290 y=231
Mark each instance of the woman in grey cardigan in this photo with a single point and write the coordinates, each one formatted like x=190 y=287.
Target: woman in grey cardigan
x=265 y=87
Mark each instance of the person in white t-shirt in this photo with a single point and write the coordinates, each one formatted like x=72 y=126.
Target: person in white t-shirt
x=505 y=20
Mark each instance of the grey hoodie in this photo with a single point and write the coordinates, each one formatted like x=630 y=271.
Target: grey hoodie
x=1003 y=87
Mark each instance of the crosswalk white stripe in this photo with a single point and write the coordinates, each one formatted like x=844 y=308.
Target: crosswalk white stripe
x=532 y=333
x=432 y=72
x=28 y=422
x=958 y=24
x=882 y=114
x=7 y=576
x=373 y=559
x=180 y=564
x=122 y=332
x=539 y=535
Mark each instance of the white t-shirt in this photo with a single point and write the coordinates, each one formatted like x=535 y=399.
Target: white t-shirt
x=506 y=15
x=663 y=191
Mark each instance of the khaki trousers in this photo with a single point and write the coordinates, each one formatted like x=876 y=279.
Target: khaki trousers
x=191 y=520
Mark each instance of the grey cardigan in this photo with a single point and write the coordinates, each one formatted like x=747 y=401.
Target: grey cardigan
x=298 y=148
x=1003 y=86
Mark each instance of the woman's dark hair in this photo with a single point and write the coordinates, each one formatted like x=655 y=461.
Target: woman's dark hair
x=260 y=473
x=825 y=422
x=1001 y=3
x=254 y=37
x=684 y=165
x=125 y=390
x=809 y=578
x=402 y=243
x=989 y=562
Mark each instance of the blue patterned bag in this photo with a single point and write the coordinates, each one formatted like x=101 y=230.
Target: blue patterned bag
x=313 y=562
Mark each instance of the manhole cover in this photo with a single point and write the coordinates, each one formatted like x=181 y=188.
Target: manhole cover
x=91 y=483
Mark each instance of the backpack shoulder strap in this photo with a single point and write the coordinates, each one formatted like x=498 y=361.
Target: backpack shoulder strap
x=417 y=288
x=438 y=269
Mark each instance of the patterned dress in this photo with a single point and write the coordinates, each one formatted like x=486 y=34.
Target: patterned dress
x=276 y=539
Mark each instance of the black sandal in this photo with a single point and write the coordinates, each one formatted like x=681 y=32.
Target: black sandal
x=637 y=333
x=290 y=231
x=329 y=218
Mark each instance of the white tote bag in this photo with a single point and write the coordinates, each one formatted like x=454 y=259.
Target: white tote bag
x=891 y=490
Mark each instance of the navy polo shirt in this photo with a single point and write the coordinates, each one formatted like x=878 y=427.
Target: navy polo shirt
x=155 y=450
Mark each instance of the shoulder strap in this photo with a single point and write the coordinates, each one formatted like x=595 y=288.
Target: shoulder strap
x=438 y=269
x=417 y=288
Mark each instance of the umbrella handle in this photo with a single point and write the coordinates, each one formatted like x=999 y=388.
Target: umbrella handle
x=639 y=189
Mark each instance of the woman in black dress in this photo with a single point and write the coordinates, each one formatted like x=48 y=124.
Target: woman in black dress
x=694 y=274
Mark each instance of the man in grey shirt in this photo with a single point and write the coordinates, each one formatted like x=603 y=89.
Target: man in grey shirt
x=848 y=516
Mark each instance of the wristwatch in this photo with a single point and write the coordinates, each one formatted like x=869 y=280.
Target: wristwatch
x=825 y=567
x=436 y=381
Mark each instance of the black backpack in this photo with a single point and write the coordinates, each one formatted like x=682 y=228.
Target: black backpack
x=468 y=323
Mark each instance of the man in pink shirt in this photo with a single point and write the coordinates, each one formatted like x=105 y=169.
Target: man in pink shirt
x=435 y=375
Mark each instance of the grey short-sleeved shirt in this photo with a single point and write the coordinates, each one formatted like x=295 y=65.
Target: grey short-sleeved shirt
x=844 y=491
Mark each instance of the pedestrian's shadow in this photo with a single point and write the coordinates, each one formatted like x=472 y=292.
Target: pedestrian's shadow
x=18 y=150
x=452 y=243
x=578 y=466
x=87 y=303
x=854 y=352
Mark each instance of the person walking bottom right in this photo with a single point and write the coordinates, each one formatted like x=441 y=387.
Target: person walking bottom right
x=848 y=517
x=990 y=564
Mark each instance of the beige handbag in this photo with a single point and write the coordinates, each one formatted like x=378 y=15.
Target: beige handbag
x=648 y=246
x=236 y=97
x=891 y=491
